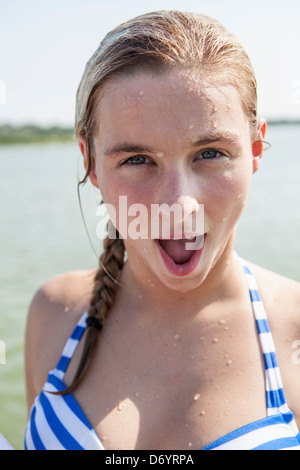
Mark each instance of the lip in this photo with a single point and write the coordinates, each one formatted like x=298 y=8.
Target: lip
x=181 y=236
x=184 y=269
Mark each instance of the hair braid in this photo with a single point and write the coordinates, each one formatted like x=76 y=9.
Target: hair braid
x=102 y=298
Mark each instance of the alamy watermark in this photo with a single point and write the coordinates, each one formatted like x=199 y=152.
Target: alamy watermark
x=2 y=92
x=137 y=221
x=295 y=96
x=296 y=353
x=2 y=352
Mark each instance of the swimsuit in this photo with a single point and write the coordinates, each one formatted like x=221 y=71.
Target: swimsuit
x=58 y=422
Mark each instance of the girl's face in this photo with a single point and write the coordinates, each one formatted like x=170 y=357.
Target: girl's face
x=174 y=139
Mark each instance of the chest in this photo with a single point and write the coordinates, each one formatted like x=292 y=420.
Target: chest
x=175 y=391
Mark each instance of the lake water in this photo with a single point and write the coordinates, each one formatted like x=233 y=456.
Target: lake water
x=42 y=234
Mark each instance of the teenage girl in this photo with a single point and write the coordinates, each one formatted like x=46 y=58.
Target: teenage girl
x=165 y=347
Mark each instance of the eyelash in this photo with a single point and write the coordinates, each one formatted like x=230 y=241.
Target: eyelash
x=129 y=160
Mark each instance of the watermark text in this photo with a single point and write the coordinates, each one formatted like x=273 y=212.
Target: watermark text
x=2 y=352
x=2 y=92
x=137 y=221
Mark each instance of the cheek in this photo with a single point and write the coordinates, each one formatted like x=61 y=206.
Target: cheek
x=225 y=197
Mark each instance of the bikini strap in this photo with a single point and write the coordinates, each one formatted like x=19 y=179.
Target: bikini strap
x=71 y=346
x=274 y=390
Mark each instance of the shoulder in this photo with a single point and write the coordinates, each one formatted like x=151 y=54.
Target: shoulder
x=281 y=298
x=277 y=289
x=53 y=313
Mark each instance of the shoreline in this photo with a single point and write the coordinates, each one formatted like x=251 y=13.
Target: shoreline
x=31 y=133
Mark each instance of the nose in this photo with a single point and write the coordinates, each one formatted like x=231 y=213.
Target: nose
x=180 y=187
x=189 y=204
x=179 y=206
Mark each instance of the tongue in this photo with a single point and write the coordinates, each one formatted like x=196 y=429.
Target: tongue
x=177 y=250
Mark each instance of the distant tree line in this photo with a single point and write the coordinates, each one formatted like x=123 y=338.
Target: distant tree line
x=31 y=133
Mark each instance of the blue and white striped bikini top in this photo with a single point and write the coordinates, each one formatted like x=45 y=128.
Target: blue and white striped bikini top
x=57 y=421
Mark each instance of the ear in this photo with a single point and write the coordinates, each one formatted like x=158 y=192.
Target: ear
x=258 y=145
x=86 y=158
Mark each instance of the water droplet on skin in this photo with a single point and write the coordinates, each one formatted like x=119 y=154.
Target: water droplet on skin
x=229 y=362
x=120 y=407
x=145 y=250
x=202 y=338
x=222 y=322
x=190 y=444
x=215 y=109
x=202 y=413
x=224 y=218
x=141 y=93
x=197 y=396
x=215 y=340
x=191 y=126
x=228 y=106
x=160 y=154
x=214 y=125
x=176 y=336
x=137 y=394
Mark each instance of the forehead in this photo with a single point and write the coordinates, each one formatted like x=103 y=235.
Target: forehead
x=173 y=101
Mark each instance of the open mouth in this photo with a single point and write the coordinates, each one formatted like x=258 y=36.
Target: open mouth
x=181 y=255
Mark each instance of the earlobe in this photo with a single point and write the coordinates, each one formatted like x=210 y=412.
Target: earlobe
x=88 y=161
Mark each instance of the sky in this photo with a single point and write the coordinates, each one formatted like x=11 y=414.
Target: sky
x=44 y=46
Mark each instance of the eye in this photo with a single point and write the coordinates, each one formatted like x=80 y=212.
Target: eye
x=137 y=160
x=210 y=154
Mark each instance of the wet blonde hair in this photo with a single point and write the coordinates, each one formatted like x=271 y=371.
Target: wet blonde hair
x=156 y=42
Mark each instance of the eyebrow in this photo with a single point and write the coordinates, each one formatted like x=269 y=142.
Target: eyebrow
x=225 y=136
x=127 y=147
